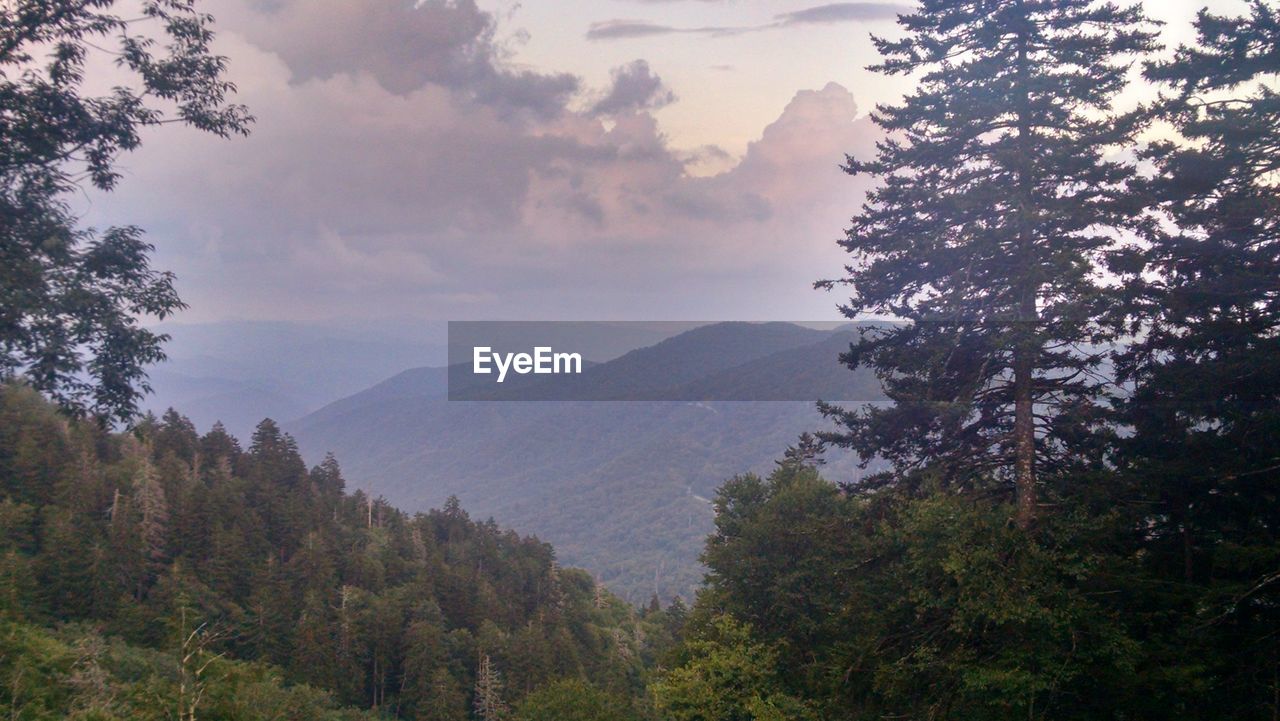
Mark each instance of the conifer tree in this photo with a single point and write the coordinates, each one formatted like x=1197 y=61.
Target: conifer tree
x=1206 y=290
x=489 y=705
x=152 y=524
x=1205 y=366
x=996 y=202
x=448 y=701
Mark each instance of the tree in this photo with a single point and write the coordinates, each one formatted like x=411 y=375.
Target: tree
x=489 y=705
x=730 y=677
x=447 y=700
x=995 y=206
x=397 y=615
x=878 y=606
x=66 y=292
x=1206 y=294
x=1205 y=366
x=572 y=700
x=152 y=523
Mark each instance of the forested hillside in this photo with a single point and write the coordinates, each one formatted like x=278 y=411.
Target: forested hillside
x=184 y=575
x=620 y=487
x=1066 y=507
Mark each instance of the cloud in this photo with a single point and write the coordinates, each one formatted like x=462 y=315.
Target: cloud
x=635 y=87
x=833 y=13
x=844 y=12
x=403 y=44
x=619 y=29
x=358 y=198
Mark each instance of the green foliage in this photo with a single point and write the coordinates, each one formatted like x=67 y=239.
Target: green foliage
x=996 y=202
x=74 y=673
x=1204 y=452
x=193 y=548
x=66 y=292
x=729 y=677
x=1137 y=577
x=932 y=605
x=573 y=700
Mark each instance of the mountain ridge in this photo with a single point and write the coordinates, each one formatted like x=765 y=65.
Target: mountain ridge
x=614 y=485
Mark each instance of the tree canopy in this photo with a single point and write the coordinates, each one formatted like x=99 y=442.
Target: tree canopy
x=71 y=299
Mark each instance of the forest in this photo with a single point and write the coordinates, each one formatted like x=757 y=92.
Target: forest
x=1078 y=515
x=165 y=574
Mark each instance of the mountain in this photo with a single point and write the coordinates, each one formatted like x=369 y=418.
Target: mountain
x=654 y=372
x=240 y=372
x=621 y=488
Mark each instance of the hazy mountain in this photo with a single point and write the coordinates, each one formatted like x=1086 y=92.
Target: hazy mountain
x=654 y=372
x=621 y=488
x=242 y=372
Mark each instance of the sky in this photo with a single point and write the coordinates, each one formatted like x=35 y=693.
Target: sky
x=549 y=160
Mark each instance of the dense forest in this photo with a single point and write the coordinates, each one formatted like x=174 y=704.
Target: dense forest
x=137 y=566
x=1078 y=515
x=1082 y=518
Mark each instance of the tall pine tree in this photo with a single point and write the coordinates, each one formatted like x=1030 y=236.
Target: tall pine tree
x=1205 y=366
x=1206 y=289
x=996 y=204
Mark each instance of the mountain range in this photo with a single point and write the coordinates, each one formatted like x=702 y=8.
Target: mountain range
x=622 y=488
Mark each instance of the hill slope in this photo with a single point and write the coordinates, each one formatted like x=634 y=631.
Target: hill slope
x=620 y=488
x=160 y=555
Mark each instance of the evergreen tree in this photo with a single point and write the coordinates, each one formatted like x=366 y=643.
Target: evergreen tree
x=995 y=204
x=1205 y=363
x=447 y=700
x=152 y=524
x=315 y=586
x=489 y=705
x=1206 y=292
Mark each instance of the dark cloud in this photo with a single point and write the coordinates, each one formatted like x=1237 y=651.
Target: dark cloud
x=403 y=44
x=635 y=87
x=843 y=12
x=618 y=29
x=820 y=14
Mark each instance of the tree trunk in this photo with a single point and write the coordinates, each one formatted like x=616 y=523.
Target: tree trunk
x=1024 y=352
x=1024 y=433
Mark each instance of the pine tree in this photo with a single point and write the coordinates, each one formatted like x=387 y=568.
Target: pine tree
x=1206 y=298
x=489 y=705
x=152 y=510
x=448 y=701
x=806 y=453
x=995 y=205
x=1205 y=368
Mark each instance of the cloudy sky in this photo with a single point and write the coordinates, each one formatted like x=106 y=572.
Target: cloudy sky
x=552 y=159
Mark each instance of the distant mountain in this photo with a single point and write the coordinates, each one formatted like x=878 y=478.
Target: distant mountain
x=241 y=372
x=810 y=371
x=238 y=404
x=621 y=488
x=654 y=372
